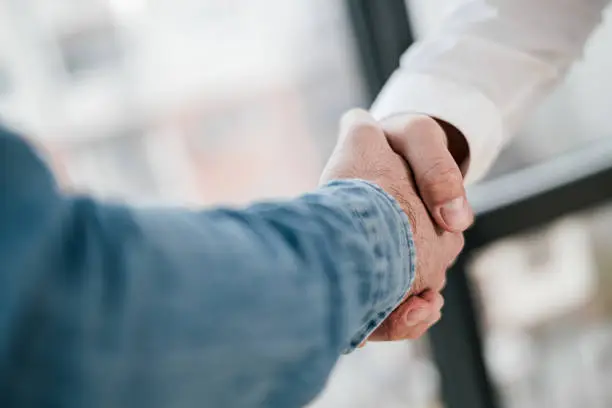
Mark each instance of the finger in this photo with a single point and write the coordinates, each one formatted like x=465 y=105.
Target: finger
x=417 y=332
x=434 y=318
x=423 y=144
x=448 y=248
x=443 y=283
x=412 y=318
x=437 y=301
x=454 y=243
x=425 y=315
x=405 y=321
x=432 y=276
x=434 y=298
x=434 y=301
x=413 y=325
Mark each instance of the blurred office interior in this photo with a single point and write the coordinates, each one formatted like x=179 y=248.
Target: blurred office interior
x=201 y=102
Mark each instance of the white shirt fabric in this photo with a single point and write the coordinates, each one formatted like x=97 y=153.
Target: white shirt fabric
x=487 y=67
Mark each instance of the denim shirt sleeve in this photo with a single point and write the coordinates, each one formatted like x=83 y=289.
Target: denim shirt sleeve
x=108 y=305
x=394 y=253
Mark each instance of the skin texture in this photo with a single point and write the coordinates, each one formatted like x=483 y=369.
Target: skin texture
x=436 y=153
x=364 y=151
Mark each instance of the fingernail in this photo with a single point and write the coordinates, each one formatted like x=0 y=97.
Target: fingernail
x=456 y=213
x=416 y=317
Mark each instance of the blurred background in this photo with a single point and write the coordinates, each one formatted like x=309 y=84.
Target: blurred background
x=195 y=101
x=203 y=102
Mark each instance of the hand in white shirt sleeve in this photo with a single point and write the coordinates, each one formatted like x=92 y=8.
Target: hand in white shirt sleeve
x=487 y=67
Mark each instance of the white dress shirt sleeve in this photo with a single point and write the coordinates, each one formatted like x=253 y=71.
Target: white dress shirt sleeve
x=488 y=65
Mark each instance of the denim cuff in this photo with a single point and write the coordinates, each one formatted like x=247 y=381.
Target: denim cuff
x=388 y=231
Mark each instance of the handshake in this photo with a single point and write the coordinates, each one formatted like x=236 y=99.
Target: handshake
x=408 y=156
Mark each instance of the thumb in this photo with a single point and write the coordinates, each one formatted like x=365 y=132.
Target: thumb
x=422 y=143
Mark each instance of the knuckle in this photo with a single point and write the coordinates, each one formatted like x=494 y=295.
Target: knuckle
x=364 y=130
x=359 y=124
x=441 y=181
x=441 y=173
x=409 y=133
x=424 y=126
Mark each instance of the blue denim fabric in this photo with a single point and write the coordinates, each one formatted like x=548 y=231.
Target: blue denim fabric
x=104 y=305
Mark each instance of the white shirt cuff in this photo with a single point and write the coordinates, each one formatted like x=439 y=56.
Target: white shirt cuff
x=464 y=107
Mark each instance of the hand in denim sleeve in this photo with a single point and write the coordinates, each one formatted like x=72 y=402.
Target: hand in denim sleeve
x=107 y=305
x=364 y=151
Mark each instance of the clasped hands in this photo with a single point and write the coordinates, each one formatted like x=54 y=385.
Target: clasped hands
x=408 y=156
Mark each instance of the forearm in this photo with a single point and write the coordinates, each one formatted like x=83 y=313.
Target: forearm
x=355 y=241
x=343 y=250
x=268 y=297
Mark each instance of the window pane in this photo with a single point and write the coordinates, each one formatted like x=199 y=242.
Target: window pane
x=111 y=167
x=89 y=49
x=5 y=82
x=389 y=375
x=267 y=97
x=546 y=298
